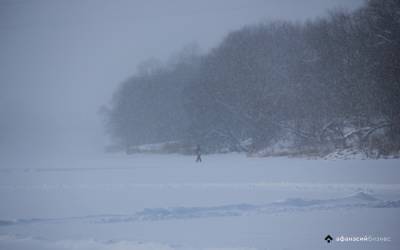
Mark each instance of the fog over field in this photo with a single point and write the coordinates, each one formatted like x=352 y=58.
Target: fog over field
x=62 y=60
x=199 y=125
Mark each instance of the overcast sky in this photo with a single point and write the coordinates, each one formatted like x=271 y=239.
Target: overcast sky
x=61 y=60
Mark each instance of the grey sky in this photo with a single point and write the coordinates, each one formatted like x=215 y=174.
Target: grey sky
x=61 y=60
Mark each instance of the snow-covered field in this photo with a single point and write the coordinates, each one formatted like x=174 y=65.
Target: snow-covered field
x=226 y=202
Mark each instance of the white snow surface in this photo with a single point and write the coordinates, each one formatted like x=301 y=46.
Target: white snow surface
x=229 y=201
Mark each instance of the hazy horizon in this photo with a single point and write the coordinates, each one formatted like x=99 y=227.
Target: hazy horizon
x=62 y=60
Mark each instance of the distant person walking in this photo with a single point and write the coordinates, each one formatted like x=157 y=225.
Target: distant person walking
x=198 y=153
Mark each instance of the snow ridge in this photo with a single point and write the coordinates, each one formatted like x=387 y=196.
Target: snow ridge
x=358 y=200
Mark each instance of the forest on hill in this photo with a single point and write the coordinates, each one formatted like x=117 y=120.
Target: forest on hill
x=312 y=88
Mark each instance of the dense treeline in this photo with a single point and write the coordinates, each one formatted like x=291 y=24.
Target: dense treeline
x=329 y=83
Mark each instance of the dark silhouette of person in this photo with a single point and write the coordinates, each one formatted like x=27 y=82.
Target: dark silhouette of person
x=198 y=153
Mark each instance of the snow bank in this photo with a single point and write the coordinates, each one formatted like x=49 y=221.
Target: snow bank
x=346 y=154
x=357 y=200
